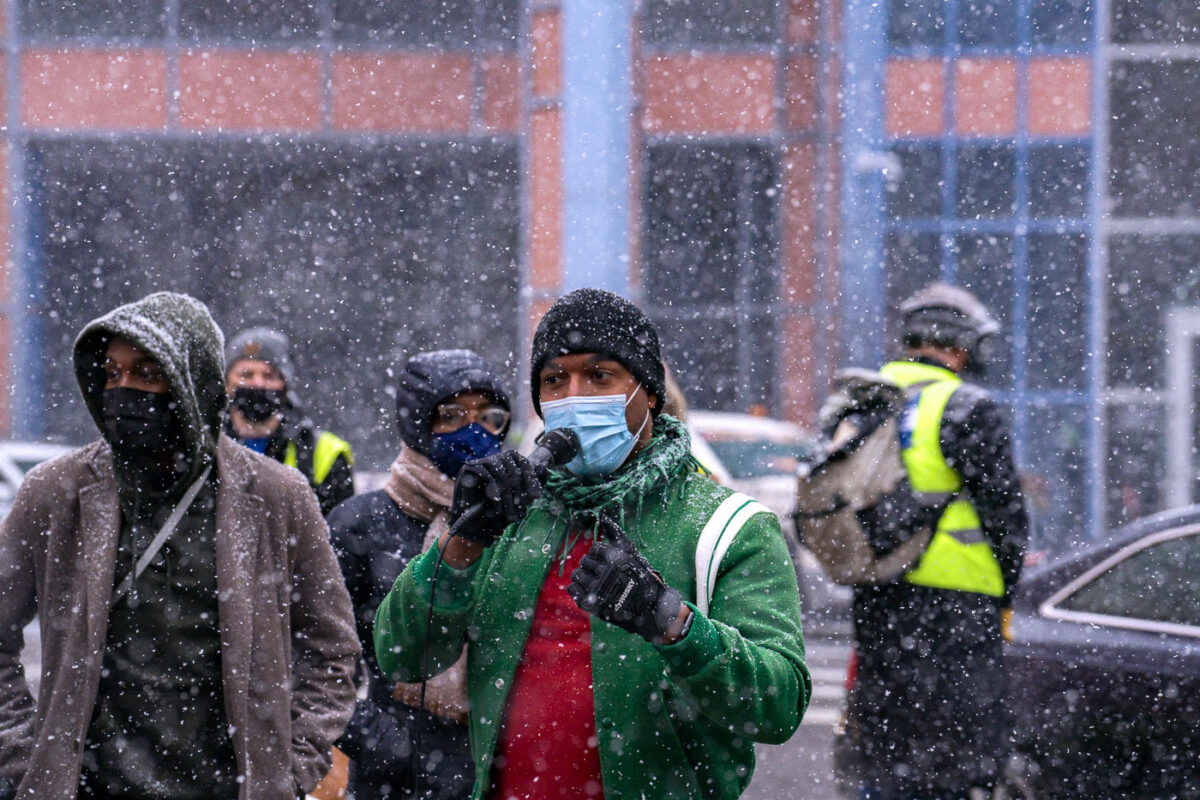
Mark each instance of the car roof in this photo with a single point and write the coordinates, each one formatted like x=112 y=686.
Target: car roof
x=719 y=423
x=1049 y=575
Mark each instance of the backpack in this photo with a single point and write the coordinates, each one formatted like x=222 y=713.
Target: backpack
x=856 y=510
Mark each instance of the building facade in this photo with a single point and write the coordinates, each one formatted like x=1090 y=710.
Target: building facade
x=766 y=177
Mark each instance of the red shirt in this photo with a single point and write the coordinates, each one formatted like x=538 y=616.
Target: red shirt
x=547 y=746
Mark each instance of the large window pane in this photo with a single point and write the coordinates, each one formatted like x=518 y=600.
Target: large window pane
x=1054 y=475
x=141 y=19
x=985 y=268
x=363 y=255
x=711 y=268
x=710 y=21
x=259 y=20
x=702 y=352
x=1058 y=180
x=1058 y=323
x=1154 y=153
x=986 y=176
x=917 y=23
x=913 y=260
x=987 y=23
x=1136 y=477
x=1148 y=275
x=431 y=23
x=918 y=193
x=1155 y=21
x=1061 y=22
x=710 y=225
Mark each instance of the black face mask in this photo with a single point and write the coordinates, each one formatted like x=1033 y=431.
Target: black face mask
x=258 y=405
x=142 y=427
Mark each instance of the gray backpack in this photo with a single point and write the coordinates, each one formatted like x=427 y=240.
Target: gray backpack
x=855 y=508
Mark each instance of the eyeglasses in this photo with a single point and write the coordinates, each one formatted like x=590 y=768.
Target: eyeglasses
x=493 y=419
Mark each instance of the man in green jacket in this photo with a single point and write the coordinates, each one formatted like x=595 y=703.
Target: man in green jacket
x=632 y=628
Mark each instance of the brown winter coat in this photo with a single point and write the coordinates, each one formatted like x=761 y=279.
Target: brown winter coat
x=287 y=631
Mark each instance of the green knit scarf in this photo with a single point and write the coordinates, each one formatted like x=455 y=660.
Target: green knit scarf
x=567 y=498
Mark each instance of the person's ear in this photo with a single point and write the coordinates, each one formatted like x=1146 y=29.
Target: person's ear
x=652 y=400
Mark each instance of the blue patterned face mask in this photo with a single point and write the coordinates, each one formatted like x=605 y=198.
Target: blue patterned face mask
x=450 y=451
x=604 y=437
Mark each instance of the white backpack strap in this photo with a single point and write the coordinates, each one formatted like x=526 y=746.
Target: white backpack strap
x=718 y=534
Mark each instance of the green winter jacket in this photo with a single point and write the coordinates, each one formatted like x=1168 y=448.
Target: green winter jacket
x=675 y=721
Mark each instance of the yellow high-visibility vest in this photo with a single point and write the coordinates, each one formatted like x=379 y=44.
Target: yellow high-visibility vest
x=325 y=452
x=959 y=557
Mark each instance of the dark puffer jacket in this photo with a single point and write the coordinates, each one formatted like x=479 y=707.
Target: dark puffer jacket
x=374 y=541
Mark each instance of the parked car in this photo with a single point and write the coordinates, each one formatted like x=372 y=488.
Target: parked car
x=16 y=459
x=1103 y=654
x=1104 y=657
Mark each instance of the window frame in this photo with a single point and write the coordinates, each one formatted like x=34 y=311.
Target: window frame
x=1051 y=609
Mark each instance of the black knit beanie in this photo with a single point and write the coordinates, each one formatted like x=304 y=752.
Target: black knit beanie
x=596 y=321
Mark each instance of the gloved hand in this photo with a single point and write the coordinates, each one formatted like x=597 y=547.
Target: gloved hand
x=502 y=485
x=376 y=740
x=7 y=790
x=618 y=585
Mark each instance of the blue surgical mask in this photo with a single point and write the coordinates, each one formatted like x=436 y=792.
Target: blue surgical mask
x=605 y=440
x=450 y=451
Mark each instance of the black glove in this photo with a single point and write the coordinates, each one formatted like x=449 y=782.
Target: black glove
x=377 y=741
x=618 y=585
x=502 y=486
x=7 y=790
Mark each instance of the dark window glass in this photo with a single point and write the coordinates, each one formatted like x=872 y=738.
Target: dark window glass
x=1057 y=319
x=259 y=20
x=987 y=23
x=432 y=23
x=710 y=21
x=1155 y=21
x=138 y=19
x=1147 y=276
x=499 y=21
x=703 y=356
x=918 y=192
x=985 y=268
x=1155 y=584
x=710 y=225
x=1134 y=465
x=916 y=23
x=1054 y=475
x=913 y=260
x=723 y=361
x=1154 y=153
x=1061 y=22
x=363 y=255
x=1058 y=181
x=985 y=181
x=710 y=254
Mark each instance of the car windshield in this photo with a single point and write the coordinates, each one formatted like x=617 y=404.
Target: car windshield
x=758 y=458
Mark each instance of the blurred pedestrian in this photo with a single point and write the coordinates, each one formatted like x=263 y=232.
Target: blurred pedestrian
x=451 y=408
x=197 y=639
x=265 y=416
x=928 y=708
x=589 y=673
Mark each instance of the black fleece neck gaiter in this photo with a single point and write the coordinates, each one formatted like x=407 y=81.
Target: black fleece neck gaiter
x=146 y=435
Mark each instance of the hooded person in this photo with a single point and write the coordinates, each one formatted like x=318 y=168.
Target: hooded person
x=451 y=407
x=197 y=640
x=631 y=628
x=266 y=416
